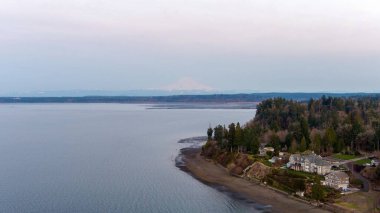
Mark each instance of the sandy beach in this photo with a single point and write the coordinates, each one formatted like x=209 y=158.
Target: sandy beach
x=213 y=174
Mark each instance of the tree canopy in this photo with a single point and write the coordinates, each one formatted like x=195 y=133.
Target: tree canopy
x=326 y=125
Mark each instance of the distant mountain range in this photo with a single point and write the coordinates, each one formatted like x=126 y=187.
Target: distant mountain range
x=186 y=98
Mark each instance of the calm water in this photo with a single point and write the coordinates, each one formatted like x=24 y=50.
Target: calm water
x=104 y=158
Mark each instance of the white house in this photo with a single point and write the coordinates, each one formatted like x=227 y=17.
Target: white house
x=309 y=163
x=337 y=180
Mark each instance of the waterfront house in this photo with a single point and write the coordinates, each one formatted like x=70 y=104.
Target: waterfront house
x=311 y=163
x=337 y=180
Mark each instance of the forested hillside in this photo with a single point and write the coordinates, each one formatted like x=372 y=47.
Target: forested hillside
x=326 y=125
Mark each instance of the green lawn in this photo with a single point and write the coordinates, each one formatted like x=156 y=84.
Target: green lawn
x=362 y=162
x=344 y=157
x=265 y=162
x=348 y=205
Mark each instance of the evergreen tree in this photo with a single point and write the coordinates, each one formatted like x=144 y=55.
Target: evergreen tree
x=288 y=139
x=303 y=145
x=209 y=133
x=293 y=147
x=239 y=138
x=329 y=140
x=317 y=192
x=255 y=144
x=218 y=135
x=225 y=133
x=231 y=135
x=305 y=129
x=316 y=143
x=275 y=143
x=357 y=128
x=338 y=146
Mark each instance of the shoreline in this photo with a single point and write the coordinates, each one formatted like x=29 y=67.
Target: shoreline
x=216 y=176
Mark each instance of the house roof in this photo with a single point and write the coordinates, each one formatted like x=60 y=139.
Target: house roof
x=321 y=162
x=268 y=148
x=340 y=175
x=312 y=158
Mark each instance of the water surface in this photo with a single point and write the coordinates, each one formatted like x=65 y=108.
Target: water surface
x=105 y=158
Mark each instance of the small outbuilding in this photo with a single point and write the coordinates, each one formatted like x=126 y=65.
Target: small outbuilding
x=263 y=150
x=375 y=162
x=275 y=159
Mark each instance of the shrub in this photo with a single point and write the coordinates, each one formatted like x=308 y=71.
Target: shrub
x=317 y=192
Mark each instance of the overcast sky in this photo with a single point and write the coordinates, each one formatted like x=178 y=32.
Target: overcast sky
x=267 y=45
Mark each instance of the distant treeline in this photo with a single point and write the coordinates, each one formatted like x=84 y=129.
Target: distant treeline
x=216 y=98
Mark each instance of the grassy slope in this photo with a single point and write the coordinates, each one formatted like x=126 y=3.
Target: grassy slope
x=344 y=157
